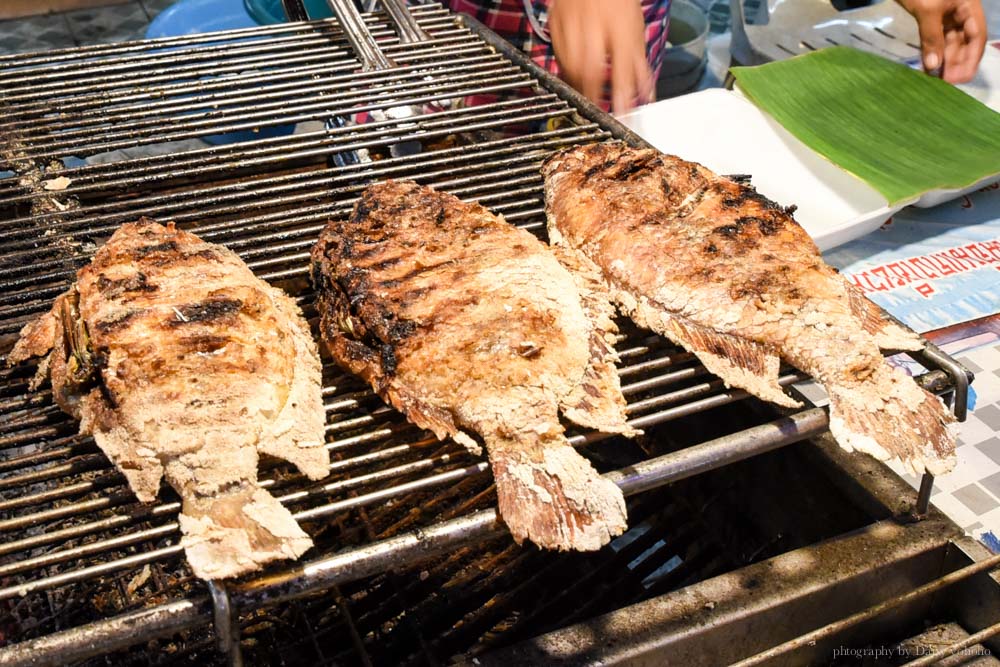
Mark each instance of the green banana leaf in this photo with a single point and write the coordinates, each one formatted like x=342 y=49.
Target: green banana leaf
x=901 y=131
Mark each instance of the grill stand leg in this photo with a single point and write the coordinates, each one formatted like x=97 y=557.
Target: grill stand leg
x=227 y=630
x=924 y=495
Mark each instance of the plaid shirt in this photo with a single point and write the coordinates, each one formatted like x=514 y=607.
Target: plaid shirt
x=508 y=19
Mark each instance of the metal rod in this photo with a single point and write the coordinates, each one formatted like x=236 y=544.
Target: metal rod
x=294 y=10
x=225 y=621
x=252 y=65
x=406 y=24
x=69 y=646
x=138 y=48
x=221 y=46
x=266 y=117
x=204 y=162
x=364 y=45
x=720 y=452
x=872 y=612
x=957 y=647
x=325 y=83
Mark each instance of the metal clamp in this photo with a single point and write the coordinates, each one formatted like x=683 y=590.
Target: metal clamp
x=406 y=25
x=361 y=39
x=295 y=10
x=227 y=629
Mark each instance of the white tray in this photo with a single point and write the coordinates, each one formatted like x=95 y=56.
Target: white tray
x=729 y=135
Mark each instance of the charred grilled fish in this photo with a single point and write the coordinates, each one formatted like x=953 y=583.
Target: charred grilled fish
x=467 y=324
x=728 y=274
x=183 y=364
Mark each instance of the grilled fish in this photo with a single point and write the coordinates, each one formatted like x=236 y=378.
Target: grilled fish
x=719 y=269
x=468 y=325
x=183 y=364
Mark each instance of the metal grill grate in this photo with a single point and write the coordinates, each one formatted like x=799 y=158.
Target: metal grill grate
x=199 y=130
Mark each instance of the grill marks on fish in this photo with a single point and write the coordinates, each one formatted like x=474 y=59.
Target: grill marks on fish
x=465 y=323
x=730 y=275
x=195 y=368
x=136 y=283
x=213 y=309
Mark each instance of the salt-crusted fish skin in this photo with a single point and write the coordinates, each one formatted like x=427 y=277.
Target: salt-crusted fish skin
x=182 y=364
x=468 y=325
x=716 y=267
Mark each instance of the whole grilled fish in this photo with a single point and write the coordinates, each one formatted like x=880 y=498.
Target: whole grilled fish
x=183 y=364
x=465 y=323
x=716 y=267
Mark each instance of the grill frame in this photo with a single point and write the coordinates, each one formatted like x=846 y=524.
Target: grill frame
x=324 y=573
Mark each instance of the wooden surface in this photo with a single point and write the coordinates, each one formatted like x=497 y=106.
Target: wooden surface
x=14 y=8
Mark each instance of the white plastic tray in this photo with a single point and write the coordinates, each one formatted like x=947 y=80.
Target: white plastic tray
x=729 y=135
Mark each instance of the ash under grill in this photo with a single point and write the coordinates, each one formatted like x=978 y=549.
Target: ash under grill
x=254 y=139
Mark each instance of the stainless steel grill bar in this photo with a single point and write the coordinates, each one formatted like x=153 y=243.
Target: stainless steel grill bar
x=320 y=84
x=72 y=56
x=189 y=64
x=252 y=67
x=324 y=144
x=256 y=119
x=235 y=200
x=364 y=45
x=336 y=486
x=383 y=89
x=415 y=547
x=696 y=460
x=406 y=24
x=171 y=528
x=317 y=35
x=83 y=574
x=272 y=80
x=370 y=435
x=208 y=162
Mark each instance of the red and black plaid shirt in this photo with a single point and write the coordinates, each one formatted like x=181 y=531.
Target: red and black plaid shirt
x=508 y=19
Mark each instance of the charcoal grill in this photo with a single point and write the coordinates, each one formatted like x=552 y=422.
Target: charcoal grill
x=411 y=565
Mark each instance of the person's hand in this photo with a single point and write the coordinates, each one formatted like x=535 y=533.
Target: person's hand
x=586 y=33
x=952 y=36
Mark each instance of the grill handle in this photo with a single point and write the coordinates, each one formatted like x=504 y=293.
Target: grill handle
x=364 y=45
x=406 y=25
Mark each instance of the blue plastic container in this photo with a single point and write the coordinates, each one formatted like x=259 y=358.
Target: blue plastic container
x=188 y=17
x=267 y=12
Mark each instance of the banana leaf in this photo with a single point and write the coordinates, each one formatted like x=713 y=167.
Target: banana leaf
x=903 y=132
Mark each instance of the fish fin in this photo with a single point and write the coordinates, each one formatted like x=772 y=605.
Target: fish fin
x=238 y=531
x=739 y=362
x=420 y=412
x=552 y=496
x=297 y=433
x=37 y=337
x=890 y=416
x=595 y=401
x=887 y=334
x=140 y=465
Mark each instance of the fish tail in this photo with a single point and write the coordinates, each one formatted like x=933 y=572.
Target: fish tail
x=237 y=532
x=552 y=496
x=889 y=416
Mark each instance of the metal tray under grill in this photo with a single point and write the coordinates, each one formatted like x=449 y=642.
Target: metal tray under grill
x=247 y=139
